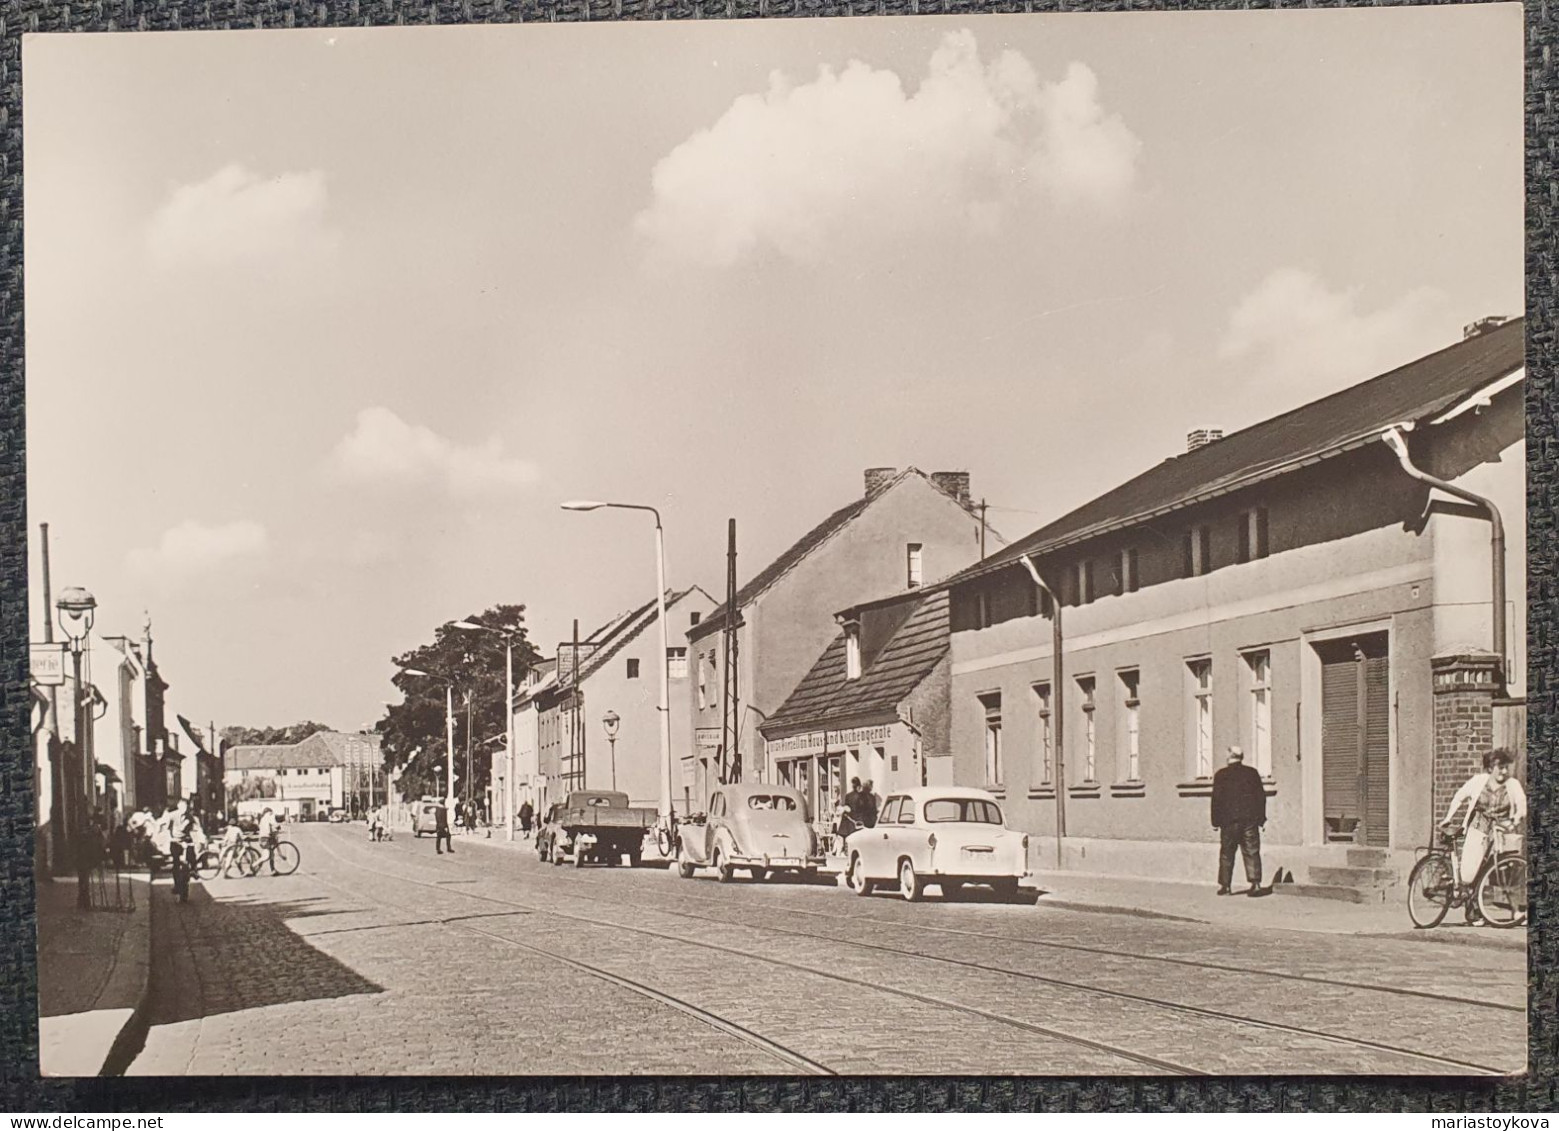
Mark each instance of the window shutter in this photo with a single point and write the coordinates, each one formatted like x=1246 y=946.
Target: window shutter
x=1188 y=567
x=1261 y=532
x=1245 y=524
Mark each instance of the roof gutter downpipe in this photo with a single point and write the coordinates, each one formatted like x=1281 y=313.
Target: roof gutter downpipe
x=1397 y=442
x=1057 y=714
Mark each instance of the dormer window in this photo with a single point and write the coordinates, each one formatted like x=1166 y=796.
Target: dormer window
x=912 y=564
x=852 y=651
x=1198 y=551
x=1253 y=534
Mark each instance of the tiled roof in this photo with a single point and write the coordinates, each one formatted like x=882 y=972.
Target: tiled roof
x=1355 y=416
x=825 y=697
x=324 y=748
x=808 y=542
x=628 y=628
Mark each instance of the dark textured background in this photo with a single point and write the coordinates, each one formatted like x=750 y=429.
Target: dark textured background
x=22 y=1091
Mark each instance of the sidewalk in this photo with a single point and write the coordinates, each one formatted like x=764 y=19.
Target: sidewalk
x=94 y=970
x=1200 y=903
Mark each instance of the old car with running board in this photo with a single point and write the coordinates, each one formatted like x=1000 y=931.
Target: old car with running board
x=760 y=827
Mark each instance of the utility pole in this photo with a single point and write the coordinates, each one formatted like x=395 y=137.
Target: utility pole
x=56 y=778
x=731 y=722
x=982 y=529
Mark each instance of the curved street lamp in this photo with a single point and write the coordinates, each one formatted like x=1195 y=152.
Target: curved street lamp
x=660 y=599
x=610 y=722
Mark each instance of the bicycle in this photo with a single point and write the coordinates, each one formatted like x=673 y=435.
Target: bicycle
x=1498 y=892
x=283 y=857
x=666 y=836
x=217 y=860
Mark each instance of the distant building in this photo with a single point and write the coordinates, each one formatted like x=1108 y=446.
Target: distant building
x=874 y=705
x=906 y=530
x=1291 y=588
x=615 y=673
x=527 y=746
x=304 y=780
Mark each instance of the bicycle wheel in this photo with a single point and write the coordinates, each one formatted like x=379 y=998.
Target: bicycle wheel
x=248 y=860
x=1430 y=887
x=287 y=858
x=1502 y=892
x=663 y=841
x=209 y=864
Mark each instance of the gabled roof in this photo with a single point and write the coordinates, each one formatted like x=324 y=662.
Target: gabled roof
x=808 y=542
x=1341 y=422
x=322 y=749
x=628 y=628
x=825 y=697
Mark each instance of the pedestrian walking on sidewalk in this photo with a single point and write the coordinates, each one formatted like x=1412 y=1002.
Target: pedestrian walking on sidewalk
x=1239 y=811
x=441 y=829
x=527 y=813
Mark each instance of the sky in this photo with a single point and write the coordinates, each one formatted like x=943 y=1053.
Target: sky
x=322 y=326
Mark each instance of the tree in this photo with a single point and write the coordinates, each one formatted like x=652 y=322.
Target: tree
x=270 y=736
x=252 y=789
x=413 y=729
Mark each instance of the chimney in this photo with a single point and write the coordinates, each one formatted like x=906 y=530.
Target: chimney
x=879 y=477
x=1483 y=326
x=955 y=483
x=1202 y=437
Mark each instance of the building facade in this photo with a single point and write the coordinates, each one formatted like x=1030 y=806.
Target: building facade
x=1291 y=588
x=906 y=530
x=305 y=780
x=615 y=675
x=873 y=706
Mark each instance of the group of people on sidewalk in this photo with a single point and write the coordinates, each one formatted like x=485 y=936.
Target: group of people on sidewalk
x=1495 y=803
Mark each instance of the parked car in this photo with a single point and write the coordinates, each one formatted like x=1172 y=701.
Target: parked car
x=939 y=835
x=762 y=828
x=337 y=816
x=424 y=818
x=595 y=826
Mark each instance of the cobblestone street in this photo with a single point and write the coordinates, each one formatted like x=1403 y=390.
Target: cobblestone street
x=385 y=958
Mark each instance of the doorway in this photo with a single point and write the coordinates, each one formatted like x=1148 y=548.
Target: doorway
x=1356 y=738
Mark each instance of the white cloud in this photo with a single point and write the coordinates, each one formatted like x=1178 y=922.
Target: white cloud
x=237 y=216
x=1297 y=330
x=383 y=448
x=191 y=549
x=795 y=167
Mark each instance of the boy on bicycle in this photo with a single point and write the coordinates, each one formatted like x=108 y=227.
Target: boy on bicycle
x=1495 y=803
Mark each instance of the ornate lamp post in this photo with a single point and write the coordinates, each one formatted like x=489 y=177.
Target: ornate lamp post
x=77 y=609
x=610 y=722
x=665 y=686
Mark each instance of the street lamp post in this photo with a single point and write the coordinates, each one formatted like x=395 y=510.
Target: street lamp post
x=508 y=717
x=660 y=599
x=449 y=729
x=610 y=721
x=77 y=610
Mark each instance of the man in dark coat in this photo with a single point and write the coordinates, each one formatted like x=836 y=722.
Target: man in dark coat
x=441 y=829
x=1239 y=811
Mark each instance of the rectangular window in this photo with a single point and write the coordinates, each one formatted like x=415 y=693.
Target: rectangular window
x=703 y=689
x=633 y=668
x=694 y=617
x=1253 y=534
x=1083 y=580
x=1131 y=723
x=912 y=563
x=982 y=610
x=852 y=651
x=1085 y=689
x=676 y=663
x=714 y=679
x=1045 y=733
x=1129 y=580
x=1258 y=671
x=1198 y=551
x=993 y=767
x=1199 y=678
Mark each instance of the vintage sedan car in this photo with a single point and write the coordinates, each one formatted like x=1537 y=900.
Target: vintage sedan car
x=424 y=818
x=762 y=828
x=944 y=835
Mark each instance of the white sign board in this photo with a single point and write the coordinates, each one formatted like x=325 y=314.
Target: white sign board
x=48 y=664
x=818 y=741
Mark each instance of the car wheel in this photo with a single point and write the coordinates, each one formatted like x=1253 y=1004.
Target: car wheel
x=910 y=885
x=722 y=869
x=579 y=859
x=759 y=874
x=856 y=879
x=684 y=869
x=1006 y=889
x=634 y=859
